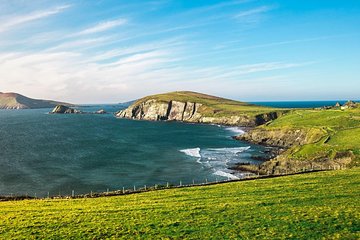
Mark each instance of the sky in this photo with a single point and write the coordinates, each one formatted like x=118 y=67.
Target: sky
x=110 y=51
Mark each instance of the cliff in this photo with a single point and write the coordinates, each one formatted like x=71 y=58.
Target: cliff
x=282 y=137
x=18 y=101
x=309 y=139
x=198 y=108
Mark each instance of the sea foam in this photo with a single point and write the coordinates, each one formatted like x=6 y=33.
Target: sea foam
x=233 y=150
x=192 y=152
x=236 y=130
x=217 y=159
x=225 y=174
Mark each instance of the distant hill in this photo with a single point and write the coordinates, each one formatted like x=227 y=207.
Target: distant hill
x=197 y=107
x=18 y=101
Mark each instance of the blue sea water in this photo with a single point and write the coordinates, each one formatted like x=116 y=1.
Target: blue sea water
x=42 y=152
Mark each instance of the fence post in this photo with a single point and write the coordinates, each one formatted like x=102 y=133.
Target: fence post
x=167 y=184
x=123 y=190
x=193 y=182
x=72 y=193
x=107 y=191
x=145 y=187
x=206 y=180
x=134 y=188
x=91 y=193
x=180 y=183
x=48 y=194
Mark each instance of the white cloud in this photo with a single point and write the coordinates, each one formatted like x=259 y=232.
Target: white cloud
x=103 y=26
x=252 y=12
x=14 y=21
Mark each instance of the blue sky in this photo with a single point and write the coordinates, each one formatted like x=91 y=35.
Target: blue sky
x=109 y=51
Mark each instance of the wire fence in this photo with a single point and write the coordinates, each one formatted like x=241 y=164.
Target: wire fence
x=168 y=185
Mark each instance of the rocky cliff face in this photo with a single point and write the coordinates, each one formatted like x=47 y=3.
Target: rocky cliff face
x=286 y=140
x=154 y=110
x=280 y=137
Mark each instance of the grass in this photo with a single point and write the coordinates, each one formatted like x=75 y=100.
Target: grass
x=321 y=205
x=212 y=106
x=341 y=132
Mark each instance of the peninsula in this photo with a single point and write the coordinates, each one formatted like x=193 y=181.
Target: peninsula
x=18 y=101
x=327 y=137
x=198 y=108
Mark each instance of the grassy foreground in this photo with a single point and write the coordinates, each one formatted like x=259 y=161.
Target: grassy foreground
x=321 y=205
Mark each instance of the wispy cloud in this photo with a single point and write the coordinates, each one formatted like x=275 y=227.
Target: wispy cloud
x=15 y=21
x=253 y=12
x=80 y=43
x=103 y=26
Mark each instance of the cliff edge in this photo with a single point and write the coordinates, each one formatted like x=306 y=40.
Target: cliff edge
x=198 y=108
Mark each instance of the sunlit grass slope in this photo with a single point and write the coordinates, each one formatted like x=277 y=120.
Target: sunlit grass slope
x=212 y=106
x=341 y=132
x=322 y=205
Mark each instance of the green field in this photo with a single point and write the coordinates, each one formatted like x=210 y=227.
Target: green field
x=212 y=106
x=321 y=205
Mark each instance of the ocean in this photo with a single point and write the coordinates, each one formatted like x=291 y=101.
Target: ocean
x=44 y=154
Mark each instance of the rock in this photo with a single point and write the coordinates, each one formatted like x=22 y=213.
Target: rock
x=349 y=105
x=61 y=109
x=101 y=111
x=279 y=137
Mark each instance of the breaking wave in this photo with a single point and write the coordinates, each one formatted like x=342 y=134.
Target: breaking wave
x=236 y=130
x=218 y=159
x=192 y=152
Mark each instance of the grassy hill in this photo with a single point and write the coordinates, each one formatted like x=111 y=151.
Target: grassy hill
x=313 y=138
x=212 y=105
x=340 y=132
x=319 y=205
x=18 y=101
x=198 y=108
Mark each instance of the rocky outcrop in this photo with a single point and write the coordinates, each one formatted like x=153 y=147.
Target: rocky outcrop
x=155 y=110
x=283 y=165
x=288 y=140
x=282 y=137
x=61 y=109
x=101 y=111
